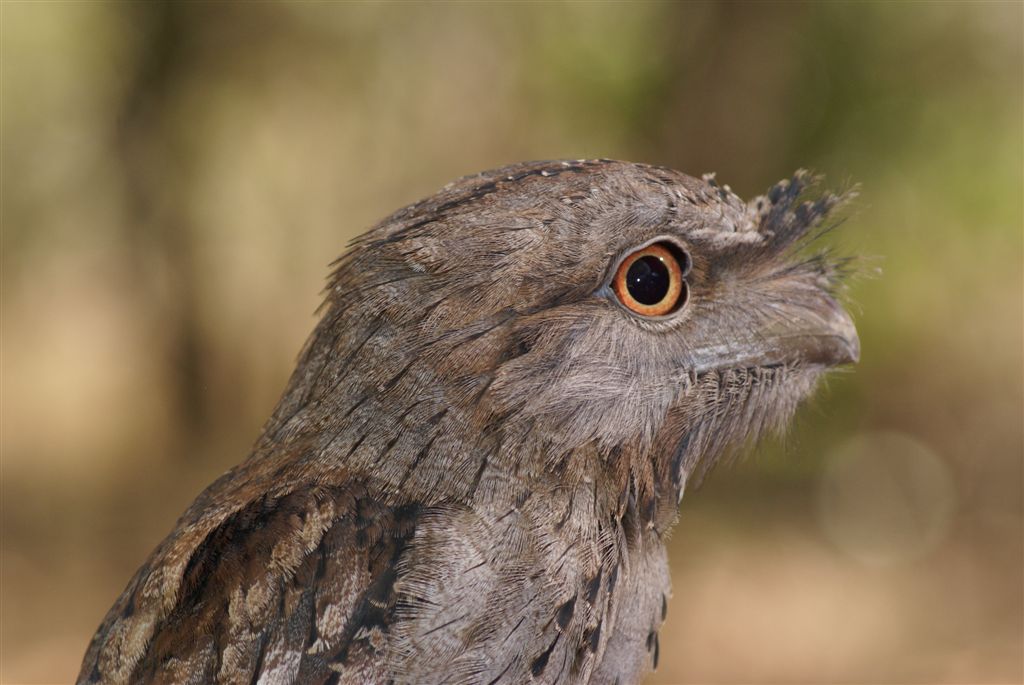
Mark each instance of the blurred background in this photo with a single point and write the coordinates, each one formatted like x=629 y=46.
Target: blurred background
x=177 y=176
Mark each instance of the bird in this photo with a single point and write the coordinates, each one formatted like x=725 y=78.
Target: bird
x=472 y=472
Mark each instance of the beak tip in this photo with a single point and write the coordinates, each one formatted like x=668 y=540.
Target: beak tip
x=852 y=350
x=847 y=331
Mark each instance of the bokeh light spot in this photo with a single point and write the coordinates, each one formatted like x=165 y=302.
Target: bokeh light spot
x=885 y=498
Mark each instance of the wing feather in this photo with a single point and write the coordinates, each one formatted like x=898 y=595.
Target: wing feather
x=291 y=588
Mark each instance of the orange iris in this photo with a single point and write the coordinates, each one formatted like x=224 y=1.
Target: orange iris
x=650 y=281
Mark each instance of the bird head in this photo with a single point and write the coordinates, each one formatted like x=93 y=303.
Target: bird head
x=554 y=323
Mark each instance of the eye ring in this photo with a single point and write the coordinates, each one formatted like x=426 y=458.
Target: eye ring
x=649 y=281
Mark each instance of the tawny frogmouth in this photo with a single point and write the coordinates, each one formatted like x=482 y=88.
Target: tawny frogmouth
x=473 y=469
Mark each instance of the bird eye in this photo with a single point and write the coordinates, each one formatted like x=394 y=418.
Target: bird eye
x=650 y=280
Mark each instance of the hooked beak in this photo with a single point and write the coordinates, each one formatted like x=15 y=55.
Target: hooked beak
x=821 y=335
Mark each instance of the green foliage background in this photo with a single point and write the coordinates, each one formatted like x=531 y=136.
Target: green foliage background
x=176 y=177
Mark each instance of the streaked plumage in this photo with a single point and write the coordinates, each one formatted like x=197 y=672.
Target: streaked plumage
x=473 y=468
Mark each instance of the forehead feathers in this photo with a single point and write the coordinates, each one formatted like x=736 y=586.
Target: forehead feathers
x=529 y=235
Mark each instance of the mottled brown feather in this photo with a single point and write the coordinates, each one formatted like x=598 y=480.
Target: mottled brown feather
x=471 y=474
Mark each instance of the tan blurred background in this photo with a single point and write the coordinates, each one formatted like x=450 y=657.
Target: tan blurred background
x=176 y=177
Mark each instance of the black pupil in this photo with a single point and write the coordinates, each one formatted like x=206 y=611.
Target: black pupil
x=647 y=280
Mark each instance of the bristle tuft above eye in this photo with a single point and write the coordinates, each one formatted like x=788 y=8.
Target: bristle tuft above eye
x=784 y=216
